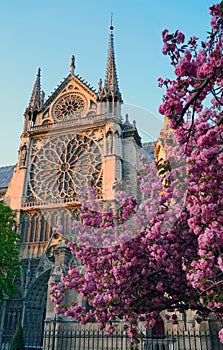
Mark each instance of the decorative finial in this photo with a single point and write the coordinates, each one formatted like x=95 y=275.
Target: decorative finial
x=72 y=65
x=111 y=26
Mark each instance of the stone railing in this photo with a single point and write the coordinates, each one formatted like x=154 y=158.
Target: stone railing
x=50 y=202
x=32 y=249
x=83 y=121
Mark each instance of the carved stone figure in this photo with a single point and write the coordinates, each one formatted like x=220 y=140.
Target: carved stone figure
x=99 y=85
x=23 y=156
x=72 y=65
x=109 y=143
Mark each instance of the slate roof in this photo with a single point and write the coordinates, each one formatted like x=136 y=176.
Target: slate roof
x=6 y=173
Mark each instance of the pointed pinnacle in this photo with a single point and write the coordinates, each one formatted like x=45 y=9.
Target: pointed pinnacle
x=35 y=100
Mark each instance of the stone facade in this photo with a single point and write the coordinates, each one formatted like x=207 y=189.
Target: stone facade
x=74 y=139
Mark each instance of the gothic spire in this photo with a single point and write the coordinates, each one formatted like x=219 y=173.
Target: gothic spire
x=36 y=97
x=111 y=80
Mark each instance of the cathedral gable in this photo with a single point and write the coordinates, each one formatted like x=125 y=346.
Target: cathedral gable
x=72 y=99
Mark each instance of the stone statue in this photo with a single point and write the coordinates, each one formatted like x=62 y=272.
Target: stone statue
x=72 y=65
x=118 y=185
x=109 y=143
x=23 y=155
x=99 y=85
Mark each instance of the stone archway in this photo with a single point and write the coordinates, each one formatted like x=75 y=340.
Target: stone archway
x=35 y=310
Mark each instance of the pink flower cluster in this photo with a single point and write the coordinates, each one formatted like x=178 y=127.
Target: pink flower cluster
x=134 y=278
x=198 y=70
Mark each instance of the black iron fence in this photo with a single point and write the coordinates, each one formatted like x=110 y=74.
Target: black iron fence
x=92 y=339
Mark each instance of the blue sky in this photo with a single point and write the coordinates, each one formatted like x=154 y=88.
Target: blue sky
x=45 y=33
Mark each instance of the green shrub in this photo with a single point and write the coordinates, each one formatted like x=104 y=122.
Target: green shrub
x=17 y=342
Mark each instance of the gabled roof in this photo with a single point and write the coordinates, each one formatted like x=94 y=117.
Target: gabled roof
x=6 y=173
x=62 y=85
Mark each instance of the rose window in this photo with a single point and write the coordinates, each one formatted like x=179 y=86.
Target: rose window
x=64 y=166
x=69 y=106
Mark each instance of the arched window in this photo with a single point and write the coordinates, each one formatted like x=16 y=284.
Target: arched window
x=25 y=230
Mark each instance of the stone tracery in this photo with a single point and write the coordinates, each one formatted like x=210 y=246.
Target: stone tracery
x=69 y=106
x=65 y=165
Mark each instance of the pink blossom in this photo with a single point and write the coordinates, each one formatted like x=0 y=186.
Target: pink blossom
x=180 y=38
x=220 y=334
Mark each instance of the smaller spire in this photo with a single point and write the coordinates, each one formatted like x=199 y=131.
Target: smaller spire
x=35 y=101
x=72 y=65
x=111 y=80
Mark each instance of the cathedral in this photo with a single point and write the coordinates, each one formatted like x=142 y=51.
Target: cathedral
x=75 y=138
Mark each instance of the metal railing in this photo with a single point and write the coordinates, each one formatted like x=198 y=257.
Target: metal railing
x=93 y=339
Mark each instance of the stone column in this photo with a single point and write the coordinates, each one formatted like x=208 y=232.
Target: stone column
x=62 y=256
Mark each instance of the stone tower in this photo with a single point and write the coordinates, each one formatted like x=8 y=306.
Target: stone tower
x=73 y=139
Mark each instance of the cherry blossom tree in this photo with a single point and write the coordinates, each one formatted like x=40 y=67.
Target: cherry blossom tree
x=135 y=260
x=193 y=103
